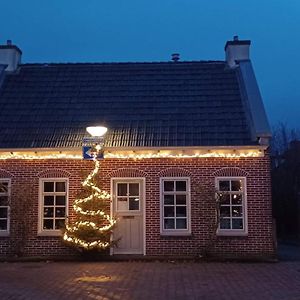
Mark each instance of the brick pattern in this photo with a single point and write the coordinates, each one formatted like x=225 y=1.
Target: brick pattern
x=5 y=174
x=24 y=240
x=175 y=172
x=54 y=173
x=230 y=172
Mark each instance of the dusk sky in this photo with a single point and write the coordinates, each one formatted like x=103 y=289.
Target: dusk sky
x=140 y=30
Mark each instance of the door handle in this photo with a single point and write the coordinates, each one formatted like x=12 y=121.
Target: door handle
x=128 y=217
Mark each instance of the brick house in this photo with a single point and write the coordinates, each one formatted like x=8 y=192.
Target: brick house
x=178 y=132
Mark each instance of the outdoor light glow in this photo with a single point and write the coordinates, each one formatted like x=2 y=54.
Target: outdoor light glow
x=137 y=155
x=96 y=130
x=210 y=154
x=70 y=235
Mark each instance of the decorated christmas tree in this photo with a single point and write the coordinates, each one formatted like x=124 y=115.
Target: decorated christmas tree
x=92 y=227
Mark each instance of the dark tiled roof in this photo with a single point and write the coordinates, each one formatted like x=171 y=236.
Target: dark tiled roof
x=142 y=104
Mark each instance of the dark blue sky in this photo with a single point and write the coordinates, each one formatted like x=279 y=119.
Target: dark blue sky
x=140 y=30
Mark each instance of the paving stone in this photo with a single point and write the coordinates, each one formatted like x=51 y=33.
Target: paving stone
x=150 y=280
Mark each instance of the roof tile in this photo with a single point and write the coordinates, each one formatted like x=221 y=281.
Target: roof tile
x=142 y=104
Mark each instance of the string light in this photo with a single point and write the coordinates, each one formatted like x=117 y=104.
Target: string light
x=70 y=233
x=214 y=154
x=13 y=155
x=220 y=153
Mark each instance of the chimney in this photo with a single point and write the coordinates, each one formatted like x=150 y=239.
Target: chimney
x=175 y=57
x=10 y=55
x=236 y=50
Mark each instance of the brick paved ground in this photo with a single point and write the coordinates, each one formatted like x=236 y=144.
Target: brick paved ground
x=150 y=280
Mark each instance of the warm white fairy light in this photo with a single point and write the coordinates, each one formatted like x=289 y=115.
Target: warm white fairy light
x=86 y=245
x=83 y=224
x=212 y=154
x=39 y=156
x=96 y=193
x=219 y=153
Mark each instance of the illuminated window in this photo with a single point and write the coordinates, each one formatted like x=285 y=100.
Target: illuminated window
x=4 y=206
x=175 y=206
x=232 y=214
x=53 y=205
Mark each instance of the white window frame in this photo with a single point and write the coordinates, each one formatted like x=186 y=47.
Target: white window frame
x=127 y=182
x=175 y=232
x=51 y=232
x=235 y=232
x=8 y=194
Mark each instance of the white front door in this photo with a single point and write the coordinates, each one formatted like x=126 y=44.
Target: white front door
x=128 y=208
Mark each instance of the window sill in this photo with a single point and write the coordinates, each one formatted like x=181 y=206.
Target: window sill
x=4 y=234
x=175 y=234
x=50 y=233
x=231 y=233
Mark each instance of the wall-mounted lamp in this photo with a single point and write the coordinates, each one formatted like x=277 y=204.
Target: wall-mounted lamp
x=96 y=131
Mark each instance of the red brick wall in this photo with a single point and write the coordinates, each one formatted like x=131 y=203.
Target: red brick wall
x=23 y=239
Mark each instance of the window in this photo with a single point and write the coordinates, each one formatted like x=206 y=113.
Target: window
x=53 y=205
x=175 y=206
x=128 y=196
x=231 y=193
x=4 y=206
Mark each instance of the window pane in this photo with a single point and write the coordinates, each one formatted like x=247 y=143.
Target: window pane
x=169 y=199
x=122 y=204
x=181 y=199
x=134 y=189
x=225 y=223
x=168 y=186
x=60 y=200
x=224 y=185
x=134 y=203
x=237 y=211
x=3 y=201
x=60 y=212
x=180 y=211
x=60 y=186
x=3 y=225
x=225 y=211
x=181 y=224
x=3 y=212
x=48 y=187
x=48 y=212
x=122 y=189
x=224 y=198
x=48 y=200
x=169 y=224
x=4 y=187
x=237 y=223
x=236 y=185
x=236 y=199
x=48 y=224
x=169 y=211
x=60 y=223
x=180 y=186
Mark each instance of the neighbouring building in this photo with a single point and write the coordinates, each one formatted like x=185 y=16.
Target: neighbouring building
x=179 y=133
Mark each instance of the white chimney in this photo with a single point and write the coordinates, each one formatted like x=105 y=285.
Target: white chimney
x=236 y=50
x=10 y=55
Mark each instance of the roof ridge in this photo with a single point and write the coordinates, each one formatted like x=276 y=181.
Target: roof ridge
x=123 y=63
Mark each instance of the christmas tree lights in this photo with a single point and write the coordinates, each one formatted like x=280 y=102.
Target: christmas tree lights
x=93 y=226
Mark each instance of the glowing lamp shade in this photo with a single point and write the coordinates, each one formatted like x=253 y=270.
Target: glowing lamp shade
x=96 y=130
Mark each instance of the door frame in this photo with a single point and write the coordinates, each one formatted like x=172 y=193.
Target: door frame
x=143 y=210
